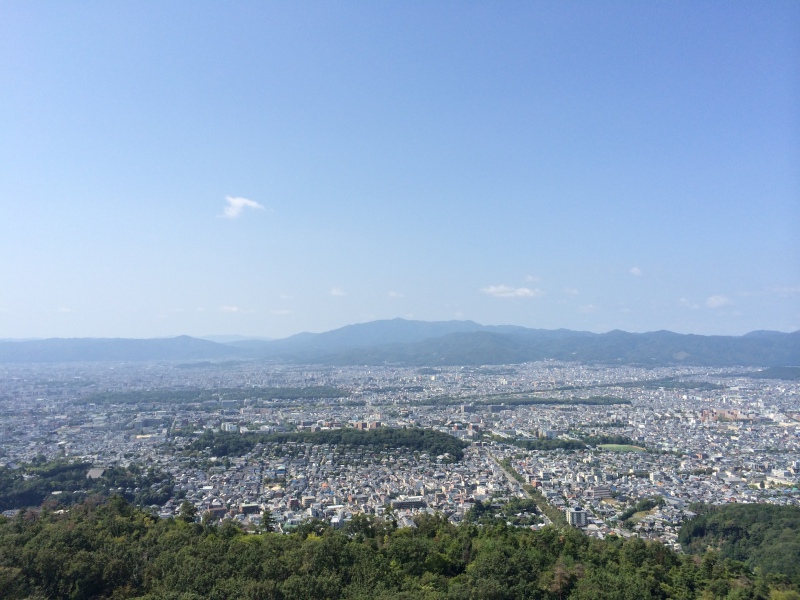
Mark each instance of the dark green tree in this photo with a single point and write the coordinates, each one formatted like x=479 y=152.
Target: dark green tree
x=188 y=512
x=267 y=520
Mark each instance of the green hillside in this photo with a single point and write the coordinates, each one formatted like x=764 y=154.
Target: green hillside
x=763 y=536
x=114 y=551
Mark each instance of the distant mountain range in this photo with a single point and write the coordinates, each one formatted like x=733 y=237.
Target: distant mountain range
x=421 y=343
x=227 y=339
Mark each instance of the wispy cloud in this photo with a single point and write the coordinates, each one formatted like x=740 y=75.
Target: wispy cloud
x=688 y=303
x=237 y=205
x=532 y=278
x=718 y=301
x=337 y=291
x=64 y=310
x=393 y=294
x=506 y=291
x=230 y=309
x=587 y=309
x=786 y=290
x=635 y=271
x=571 y=291
x=282 y=312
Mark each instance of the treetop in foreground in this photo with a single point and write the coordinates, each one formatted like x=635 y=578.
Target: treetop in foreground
x=111 y=550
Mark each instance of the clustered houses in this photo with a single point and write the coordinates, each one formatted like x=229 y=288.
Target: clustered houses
x=605 y=483
x=712 y=435
x=296 y=482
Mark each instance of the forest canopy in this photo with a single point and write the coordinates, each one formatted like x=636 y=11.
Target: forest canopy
x=763 y=536
x=111 y=550
x=414 y=439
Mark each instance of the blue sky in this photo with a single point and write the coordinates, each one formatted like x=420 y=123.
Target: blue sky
x=268 y=168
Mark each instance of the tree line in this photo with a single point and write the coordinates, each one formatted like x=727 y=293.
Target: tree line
x=545 y=444
x=414 y=439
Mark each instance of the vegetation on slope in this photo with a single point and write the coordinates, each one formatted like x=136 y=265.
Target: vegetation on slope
x=764 y=536
x=64 y=483
x=114 y=551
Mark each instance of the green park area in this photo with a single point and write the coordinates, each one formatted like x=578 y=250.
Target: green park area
x=621 y=448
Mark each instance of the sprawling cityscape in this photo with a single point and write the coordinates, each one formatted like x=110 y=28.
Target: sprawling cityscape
x=533 y=430
x=399 y=300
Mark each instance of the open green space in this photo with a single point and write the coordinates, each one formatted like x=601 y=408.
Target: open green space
x=621 y=448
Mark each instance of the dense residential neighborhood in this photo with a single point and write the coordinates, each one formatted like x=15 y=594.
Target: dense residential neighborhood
x=694 y=435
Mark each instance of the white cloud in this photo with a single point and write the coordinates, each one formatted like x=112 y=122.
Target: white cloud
x=587 y=309
x=688 y=303
x=718 y=301
x=506 y=291
x=230 y=309
x=337 y=291
x=532 y=278
x=393 y=294
x=237 y=205
x=571 y=291
x=635 y=271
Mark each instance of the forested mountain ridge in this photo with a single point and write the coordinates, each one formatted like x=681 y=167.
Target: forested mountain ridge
x=111 y=550
x=419 y=343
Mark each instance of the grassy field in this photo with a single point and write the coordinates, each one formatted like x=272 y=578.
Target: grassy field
x=621 y=448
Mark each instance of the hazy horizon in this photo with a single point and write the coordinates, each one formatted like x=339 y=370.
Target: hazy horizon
x=218 y=337
x=265 y=169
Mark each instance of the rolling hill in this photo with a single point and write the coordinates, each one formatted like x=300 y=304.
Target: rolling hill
x=421 y=343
